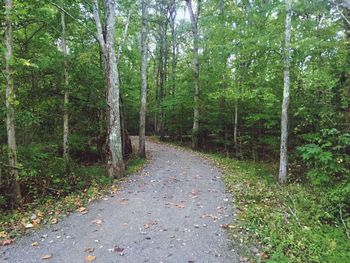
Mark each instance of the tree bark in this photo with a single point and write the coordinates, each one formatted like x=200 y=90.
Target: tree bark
x=194 y=22
x=142 y=131
x=66 y=91
x=115 y=149
x=283 y=169
x=10 y=97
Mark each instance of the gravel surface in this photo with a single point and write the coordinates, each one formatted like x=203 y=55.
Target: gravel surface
x=171 y=211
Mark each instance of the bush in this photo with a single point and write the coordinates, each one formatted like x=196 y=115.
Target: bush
x=327 y=156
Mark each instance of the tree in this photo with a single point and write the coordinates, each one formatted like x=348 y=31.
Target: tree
x=66 y=91
x=10 y=102
x=283 y=172
x=194 y=22
x=106 y=42
x=144 y=50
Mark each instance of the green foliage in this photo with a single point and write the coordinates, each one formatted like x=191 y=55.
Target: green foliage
x=135 y=164
x=295 y=223
x=327 y=157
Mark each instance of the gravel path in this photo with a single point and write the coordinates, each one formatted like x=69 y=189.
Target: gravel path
x=169 y=212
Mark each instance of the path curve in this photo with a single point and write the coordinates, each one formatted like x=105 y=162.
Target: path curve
x=171 y=211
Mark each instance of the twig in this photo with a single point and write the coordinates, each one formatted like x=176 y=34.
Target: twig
x=340 y=12
x=345 y=226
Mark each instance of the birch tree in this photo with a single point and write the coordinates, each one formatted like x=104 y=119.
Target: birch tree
x=283 y=169
x=194 y=21
x=106 y=40
x=142 y=131
x=10 y=98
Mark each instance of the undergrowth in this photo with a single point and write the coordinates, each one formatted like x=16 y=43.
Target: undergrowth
x=292 y=223
x=50 y=209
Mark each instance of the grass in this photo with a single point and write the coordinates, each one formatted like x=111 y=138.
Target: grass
x=50 y=210
x=277 y=223
x=135 y=164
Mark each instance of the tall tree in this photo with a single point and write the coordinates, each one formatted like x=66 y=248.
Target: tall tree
x=283 y=170
x=106 y=39
x=144 y=49
x=66 y=91
x=194 y=21
x=10 y=99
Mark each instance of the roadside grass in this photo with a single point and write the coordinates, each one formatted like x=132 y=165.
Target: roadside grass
x=275 y=223
x=51 y=209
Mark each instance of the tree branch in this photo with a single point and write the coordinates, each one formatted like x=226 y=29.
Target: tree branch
x=74 y=18
x=124 y=37
x=97 y=19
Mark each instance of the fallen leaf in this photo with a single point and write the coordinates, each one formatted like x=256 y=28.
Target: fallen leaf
x=146 y=226
x=82 y=210
x=28 y=225
x=179 y=206
x=123 y=201
x=45 y=257
x=89 y=250
x=118 y=249
x=7 y=242
x=35 y=244
x=3 y=234
x=90 y=258
x=40 y=214
x=36 y=221
x=224 y=226
x=97 y=221
x=264 y=255
x=54 y=221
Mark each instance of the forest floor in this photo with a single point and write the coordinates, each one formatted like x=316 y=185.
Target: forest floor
x=175 y=210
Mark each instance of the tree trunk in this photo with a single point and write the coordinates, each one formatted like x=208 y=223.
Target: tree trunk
x=346 y=21
x=142 y=131
x=283 y=169
x=10 y=96
x=235 y=126
x=162 y=71
x=194 y=22
x=66 y=92
x=115 y=149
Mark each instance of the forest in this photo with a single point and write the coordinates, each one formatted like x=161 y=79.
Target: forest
x=262 y=87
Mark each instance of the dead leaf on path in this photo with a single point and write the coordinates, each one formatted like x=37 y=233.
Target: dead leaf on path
x=97 y=221
x=118 y=249
x=36 y=221
x=82 y=210
x=225 y=226
x=146 y=226
x=7 y=242
x=3 y=234
x=90 y=258
x=123 y=201
x=28 y=225
x=54 y=221
x=89 y=250
x=46 y=257
x=179 y=205
x=114 y=189
x=35 y=244
x=214 y=217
